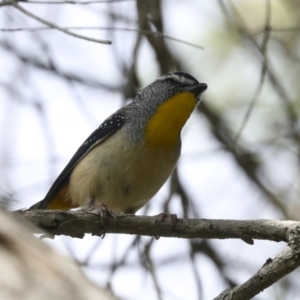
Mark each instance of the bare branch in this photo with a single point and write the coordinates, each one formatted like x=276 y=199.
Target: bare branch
x=54 y=26
x=273 y=270
x=52 y=68
x=263 y=73
x=145 y=32
x=244 y=158
x=78 y=223
x=75 y=2
x=276 y=83
x=277 y=30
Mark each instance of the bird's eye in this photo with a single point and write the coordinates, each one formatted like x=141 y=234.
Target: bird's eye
x=170 y=81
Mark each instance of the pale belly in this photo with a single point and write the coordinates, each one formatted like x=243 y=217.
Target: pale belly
x=121 y=177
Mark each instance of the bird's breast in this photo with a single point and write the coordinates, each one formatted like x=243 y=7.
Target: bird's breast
x=121 y=175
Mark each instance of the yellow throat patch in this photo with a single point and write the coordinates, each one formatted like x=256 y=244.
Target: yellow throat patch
x=163 y=129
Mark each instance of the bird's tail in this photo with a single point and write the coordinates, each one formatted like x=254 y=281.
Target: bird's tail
x=39 y=205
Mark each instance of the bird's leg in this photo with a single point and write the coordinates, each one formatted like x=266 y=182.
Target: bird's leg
x=99 y=209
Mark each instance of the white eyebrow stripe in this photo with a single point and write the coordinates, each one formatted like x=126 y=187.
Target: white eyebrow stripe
x=182 y=79
x=178 y=78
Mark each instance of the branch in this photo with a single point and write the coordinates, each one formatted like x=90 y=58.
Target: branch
x=74 y=2
x=35 y=62
x=264 y=68
x=273 y=270
x=78 y=223
x=145 y=32
x=52 y=25
x=6 y=2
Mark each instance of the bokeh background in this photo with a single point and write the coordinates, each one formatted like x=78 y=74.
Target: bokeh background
x=240 y=156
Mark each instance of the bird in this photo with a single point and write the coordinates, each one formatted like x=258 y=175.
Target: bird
x=129 y=157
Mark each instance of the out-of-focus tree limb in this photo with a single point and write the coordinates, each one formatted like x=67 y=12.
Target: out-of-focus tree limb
x=38 y=63
x=245 y=159
x=32 y=270
x=150 y=13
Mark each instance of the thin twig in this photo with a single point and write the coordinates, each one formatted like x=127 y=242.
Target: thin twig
x=279 y=30
x=54 y=26
x=262 y=76
x=146 y=32
x=74 y=2
x=275 y=82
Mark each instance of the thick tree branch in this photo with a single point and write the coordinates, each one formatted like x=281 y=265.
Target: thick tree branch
x=78 y=223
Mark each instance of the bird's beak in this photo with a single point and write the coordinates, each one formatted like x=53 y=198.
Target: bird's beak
x=197 y=89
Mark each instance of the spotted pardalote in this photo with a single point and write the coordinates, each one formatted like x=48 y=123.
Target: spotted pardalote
x=127 y=159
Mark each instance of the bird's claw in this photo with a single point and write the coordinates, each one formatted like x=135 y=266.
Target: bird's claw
x=101 y=210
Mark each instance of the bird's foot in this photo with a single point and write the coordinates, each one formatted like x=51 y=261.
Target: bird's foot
x=101 y=210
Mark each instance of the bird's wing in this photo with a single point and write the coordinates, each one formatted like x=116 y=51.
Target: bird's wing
x=108 y=127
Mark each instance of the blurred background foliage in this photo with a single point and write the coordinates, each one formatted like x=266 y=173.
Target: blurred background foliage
x=240 y=156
